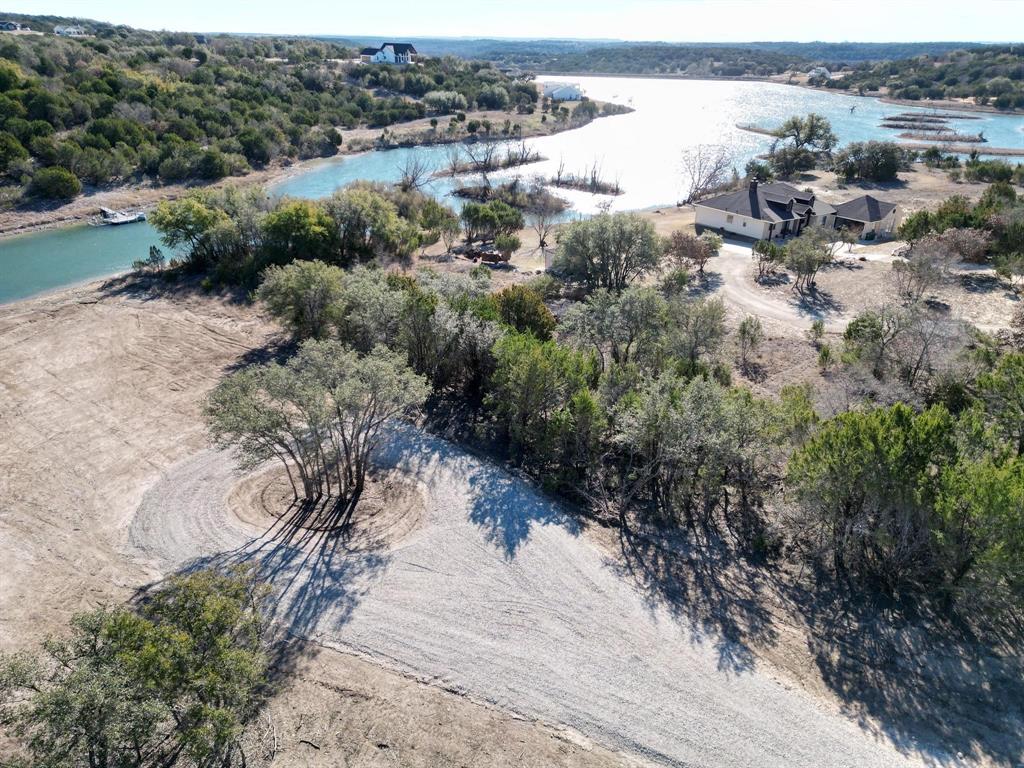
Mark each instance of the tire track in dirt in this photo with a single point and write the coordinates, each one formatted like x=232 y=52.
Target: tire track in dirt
x=499 y=597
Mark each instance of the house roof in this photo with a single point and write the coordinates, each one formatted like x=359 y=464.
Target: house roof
x=865 y=208
x=369 y=51
x=750 y=201
x=401 y=47
x=769 y=202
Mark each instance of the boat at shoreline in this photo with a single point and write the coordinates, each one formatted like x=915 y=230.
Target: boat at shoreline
x=116 y=218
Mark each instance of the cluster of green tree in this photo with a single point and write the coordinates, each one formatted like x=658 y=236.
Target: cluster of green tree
x=177 y=106
x=632 y=402
x=804 y=143
x=974 y=169
x=172 y=683
x=990 y=75
x=872 y=161
x=235 y=234
x=990 y=230
x=448 y=85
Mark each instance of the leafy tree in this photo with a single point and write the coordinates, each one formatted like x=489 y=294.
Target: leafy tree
x=750 y=334
x=507 y=245
x=299 y=229
x=621 y=329
x=807 y=254
x=813 y=132
x=304 y=296
x=523 y=309
x=983 y=502
x=55 y=184
x=172 y=684
x=533 y=384
x=699 y=328
x=608 y=251
x=320 y=414
x=11 y=151
x=1001 y=391
x=867 y=484
x=870 y=161
x=700 y=452
x=368 y=226
x=187 y=222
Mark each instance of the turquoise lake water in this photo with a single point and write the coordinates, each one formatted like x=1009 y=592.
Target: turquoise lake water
x=641 y=150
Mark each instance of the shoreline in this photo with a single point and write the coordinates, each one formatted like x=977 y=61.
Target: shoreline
x=146 y=195
x=953 y=148
x=921 y=103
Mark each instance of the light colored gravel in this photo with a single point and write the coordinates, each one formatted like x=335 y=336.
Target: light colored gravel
x=498 y=596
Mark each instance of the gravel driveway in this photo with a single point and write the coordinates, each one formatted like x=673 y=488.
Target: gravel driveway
x=498 y=596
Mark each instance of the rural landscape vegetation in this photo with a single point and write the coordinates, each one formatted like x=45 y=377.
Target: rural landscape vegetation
x=388 y=477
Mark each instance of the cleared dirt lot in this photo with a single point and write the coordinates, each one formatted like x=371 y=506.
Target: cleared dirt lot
x=100 y=392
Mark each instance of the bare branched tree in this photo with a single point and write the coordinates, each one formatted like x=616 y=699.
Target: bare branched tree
x=542 y=213
x=454 y=159
x=415 y=173
x=705 y=167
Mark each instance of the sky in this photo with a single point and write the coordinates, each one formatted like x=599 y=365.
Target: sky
x=667 y=20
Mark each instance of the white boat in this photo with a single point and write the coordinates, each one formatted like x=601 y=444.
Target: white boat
x=108 y=216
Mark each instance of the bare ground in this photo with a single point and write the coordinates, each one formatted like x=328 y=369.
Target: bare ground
x=99 y=397
x=337 y=709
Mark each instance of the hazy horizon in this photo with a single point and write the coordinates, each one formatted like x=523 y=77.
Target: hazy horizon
x=676 y=21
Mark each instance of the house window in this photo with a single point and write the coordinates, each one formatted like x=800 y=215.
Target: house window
x=728 y=218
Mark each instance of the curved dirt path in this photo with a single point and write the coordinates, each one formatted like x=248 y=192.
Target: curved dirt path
x=499 y=597
x=734 y=265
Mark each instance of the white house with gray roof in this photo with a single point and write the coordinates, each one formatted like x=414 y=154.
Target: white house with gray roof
x=765 y=211
x=389 y=53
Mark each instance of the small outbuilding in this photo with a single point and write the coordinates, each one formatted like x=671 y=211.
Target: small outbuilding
x=868 y=216
x=563 y=91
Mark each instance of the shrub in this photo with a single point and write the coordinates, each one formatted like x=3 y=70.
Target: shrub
x=523 y=308
x=55 y=184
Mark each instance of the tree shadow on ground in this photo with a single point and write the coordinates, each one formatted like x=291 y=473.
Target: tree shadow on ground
x=169 y=284
x=720 y=598
x=870 y=185
x=934 y=684
x=506 y=509
x=772 y=279
x=973 y=282
x=503 y=504
x=816 y=302
x=318 y=572
x=931 y=682
x=277 y=349
x=704 y=285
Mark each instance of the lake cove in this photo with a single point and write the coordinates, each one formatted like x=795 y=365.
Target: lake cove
x=639 y=150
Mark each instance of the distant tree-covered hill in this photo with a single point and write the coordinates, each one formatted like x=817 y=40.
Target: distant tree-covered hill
x=124 y=103
x=989 y=75
x=582 y=56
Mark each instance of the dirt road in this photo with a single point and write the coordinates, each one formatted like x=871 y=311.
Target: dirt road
x=497 y=595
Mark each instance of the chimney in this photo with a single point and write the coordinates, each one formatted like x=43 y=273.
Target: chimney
x=753 y=185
